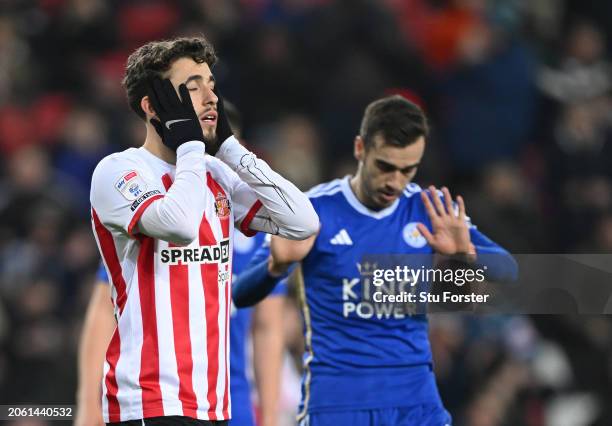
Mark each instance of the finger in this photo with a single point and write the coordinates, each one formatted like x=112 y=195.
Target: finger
x=185 y=97
x=448 y=201
x=437 y=202
x=162 y=97
x=461 y=205
x=171 y=93
x=158 y=126
x=425 y=233
x=154 y=98
x=431 y=212
x=220 y=105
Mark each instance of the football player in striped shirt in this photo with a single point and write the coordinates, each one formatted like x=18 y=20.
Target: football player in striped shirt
x=264 y=322
x=368 y=364
x=163 y=216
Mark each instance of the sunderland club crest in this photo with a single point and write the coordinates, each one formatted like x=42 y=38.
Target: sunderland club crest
x=222 y=205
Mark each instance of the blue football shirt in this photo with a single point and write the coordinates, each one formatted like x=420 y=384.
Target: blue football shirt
x=359 y=355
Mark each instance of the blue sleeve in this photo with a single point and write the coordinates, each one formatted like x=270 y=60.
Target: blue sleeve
x=101 y=275
x=255 y=283
x=501 y=266
x=281 y=288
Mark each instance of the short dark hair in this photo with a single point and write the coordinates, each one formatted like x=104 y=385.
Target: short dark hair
x=399 y=121
x=156 y=57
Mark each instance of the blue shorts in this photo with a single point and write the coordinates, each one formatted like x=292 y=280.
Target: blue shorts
x=417 y=415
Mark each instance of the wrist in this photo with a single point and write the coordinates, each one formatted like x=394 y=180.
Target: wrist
x=191 y=147
x=229 y=146
x=467 y=254
x=275 y=269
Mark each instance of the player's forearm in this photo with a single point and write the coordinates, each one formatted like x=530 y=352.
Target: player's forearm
x=255 y=284
x=268 y=347
x=176 y=216
x=500 y=265
x=288 y=207
x=98 y=328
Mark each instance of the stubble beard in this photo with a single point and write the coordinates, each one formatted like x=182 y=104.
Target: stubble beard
x=210 y=138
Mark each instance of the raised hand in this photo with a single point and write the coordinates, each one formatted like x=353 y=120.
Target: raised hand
x=178 y=122
x=451 y=234
x=223 y=130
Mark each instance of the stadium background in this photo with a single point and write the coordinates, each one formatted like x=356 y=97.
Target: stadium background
x=519 y=97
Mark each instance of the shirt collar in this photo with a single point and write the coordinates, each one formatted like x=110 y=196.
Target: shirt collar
x=357 y=205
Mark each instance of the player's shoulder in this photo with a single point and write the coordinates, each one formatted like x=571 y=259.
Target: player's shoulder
x=326 y=189
x=221 y=172
x=410 y=200
x=411 y=190
x=121 y=170
x=118 y=161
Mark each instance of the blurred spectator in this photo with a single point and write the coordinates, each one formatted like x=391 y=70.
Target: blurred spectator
x=84 y=142
x=492 y=87
x=583 y=73
x=14 y=56
x=504 y=203
x=295 y=137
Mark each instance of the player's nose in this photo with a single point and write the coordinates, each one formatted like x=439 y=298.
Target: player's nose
x=397 y=182
x=209 y=98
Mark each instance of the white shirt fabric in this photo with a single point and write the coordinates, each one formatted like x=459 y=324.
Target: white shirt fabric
x=164 y=232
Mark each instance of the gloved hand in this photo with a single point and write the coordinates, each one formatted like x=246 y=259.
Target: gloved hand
x=178 y=122
x=223 y=130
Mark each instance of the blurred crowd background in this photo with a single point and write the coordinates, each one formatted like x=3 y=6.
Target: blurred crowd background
x=519 y=96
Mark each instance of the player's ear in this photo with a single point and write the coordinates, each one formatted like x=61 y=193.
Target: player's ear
x=147 y=107
x=359 y=148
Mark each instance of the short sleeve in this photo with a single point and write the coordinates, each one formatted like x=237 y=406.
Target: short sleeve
x=121 y=190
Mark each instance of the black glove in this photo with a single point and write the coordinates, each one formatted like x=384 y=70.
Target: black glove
x=180 y=122
x=223 y=130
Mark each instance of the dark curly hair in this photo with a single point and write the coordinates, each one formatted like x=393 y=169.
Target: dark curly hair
x=399 y=121
x=156 y=57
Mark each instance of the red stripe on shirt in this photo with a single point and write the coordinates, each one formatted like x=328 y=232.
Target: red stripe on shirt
x=179 y=300
x=109 y=253
x=215 y=188
x=140 y=211
x=210 y=275
x=246 y=222
x=149 y=355
x=112 y=357
x=228 y=299
x=167 y=181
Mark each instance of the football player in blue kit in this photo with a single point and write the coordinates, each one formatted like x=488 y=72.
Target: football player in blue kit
x=265 y=324
x=364 y=366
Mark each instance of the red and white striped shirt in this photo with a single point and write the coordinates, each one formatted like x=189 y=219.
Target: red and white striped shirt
x=170 y=352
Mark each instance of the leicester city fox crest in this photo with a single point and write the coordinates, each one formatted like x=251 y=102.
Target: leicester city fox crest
x=222 y=205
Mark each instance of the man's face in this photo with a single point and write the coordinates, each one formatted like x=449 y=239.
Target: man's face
x=200 y=83
x=386 y=170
